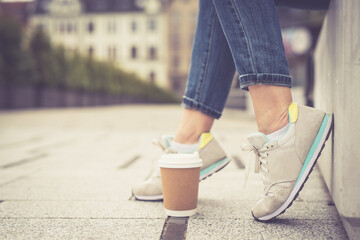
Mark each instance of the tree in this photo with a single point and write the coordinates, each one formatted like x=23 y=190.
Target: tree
x=61 y=67
x=42 y=53
x=16 y=64
x=78 y=76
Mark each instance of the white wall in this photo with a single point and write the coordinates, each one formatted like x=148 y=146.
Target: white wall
x=337 y=90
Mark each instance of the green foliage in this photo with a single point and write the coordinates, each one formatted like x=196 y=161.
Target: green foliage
x=43 y=65
x=61 y=68
x=16 y=65
x=46 y=61
x=77 y=77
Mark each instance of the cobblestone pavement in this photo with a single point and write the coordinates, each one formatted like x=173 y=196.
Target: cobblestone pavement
x=67 y=174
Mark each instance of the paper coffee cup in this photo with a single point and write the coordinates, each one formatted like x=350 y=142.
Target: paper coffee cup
x=180 y=175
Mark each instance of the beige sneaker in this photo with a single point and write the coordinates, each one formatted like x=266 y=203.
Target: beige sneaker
x=213 y=156
x=287 y=162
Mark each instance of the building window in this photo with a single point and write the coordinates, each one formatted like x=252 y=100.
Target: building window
x=176 y=83
x=152 y=53
x=112 y=53
x=152 y=77
x=69 y=28
x=91 y=27
x=111 y=26
x=62 y=27
x=175 y=41
x=176 y=62
x=152 y=25
x=91 y=52
x=175 y=19
x=133 y=26
x=133 y=52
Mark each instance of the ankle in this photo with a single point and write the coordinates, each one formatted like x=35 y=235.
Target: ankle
x=273 y=122
x=187 y=137
x=193 y=123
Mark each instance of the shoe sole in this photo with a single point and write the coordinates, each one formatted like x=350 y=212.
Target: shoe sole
x=315 y=151
x=148 y=198
x=205 y=173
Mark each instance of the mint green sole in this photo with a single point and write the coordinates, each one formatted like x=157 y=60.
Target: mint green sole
x=214 y=168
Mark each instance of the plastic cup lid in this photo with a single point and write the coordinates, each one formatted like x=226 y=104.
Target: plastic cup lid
x=181 y=160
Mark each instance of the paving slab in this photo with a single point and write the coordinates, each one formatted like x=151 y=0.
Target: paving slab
x=91 y=228
x=279 y=229
x=80 y=187
x=123 y=209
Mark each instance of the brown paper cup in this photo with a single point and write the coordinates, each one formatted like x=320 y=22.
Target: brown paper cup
x=180 y=183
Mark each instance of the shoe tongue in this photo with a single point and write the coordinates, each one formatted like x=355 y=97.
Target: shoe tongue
x=165 y=141
x=257 y=140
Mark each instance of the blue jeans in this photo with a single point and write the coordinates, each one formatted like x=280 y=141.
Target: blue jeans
x=234 y=35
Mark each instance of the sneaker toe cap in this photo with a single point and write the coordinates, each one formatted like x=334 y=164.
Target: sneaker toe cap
x=276 y=197
x=266 y=206
x=147 y=189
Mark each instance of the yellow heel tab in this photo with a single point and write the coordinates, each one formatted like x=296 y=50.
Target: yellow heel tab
x=205 y=138
x=293 y=112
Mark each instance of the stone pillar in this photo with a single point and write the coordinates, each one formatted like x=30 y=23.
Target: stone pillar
x=337 y=90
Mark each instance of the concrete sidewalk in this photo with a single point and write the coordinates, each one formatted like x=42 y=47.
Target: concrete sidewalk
x=67 y=174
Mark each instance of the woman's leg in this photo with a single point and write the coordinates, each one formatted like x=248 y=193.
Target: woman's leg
x=211 y=73
x=287 y=156
x=192 y=124
x=271 y=105
x=253 y=32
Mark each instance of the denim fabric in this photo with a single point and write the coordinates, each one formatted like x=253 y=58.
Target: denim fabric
x=234 y=34
x=304 y=4
x=231 y=35
x=212 y=67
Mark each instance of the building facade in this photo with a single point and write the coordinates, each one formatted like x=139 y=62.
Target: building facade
x=132 y=34
x=182 y=20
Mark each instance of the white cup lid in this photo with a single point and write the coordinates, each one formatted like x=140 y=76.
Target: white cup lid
x=181 y=160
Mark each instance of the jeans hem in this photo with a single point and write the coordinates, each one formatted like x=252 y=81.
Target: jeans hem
x=264 y=78
x=195 y=105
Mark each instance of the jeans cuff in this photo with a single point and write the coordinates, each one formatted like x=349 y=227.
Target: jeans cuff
x=264 y=78
x=194 y=105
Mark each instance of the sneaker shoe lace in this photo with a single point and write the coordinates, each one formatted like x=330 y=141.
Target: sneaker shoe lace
x=155 y=171
x=259 y=157
x=165 y=149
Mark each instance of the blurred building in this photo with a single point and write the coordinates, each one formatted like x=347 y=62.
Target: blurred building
x=19 y=10
x=182 y=18
x=132 y=34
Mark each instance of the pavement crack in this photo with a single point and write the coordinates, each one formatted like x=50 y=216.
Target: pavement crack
x=91 y=218
x=174 y=228
x=238 y=162
x=129 y=162
x=54 y=145
x=23 y=161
